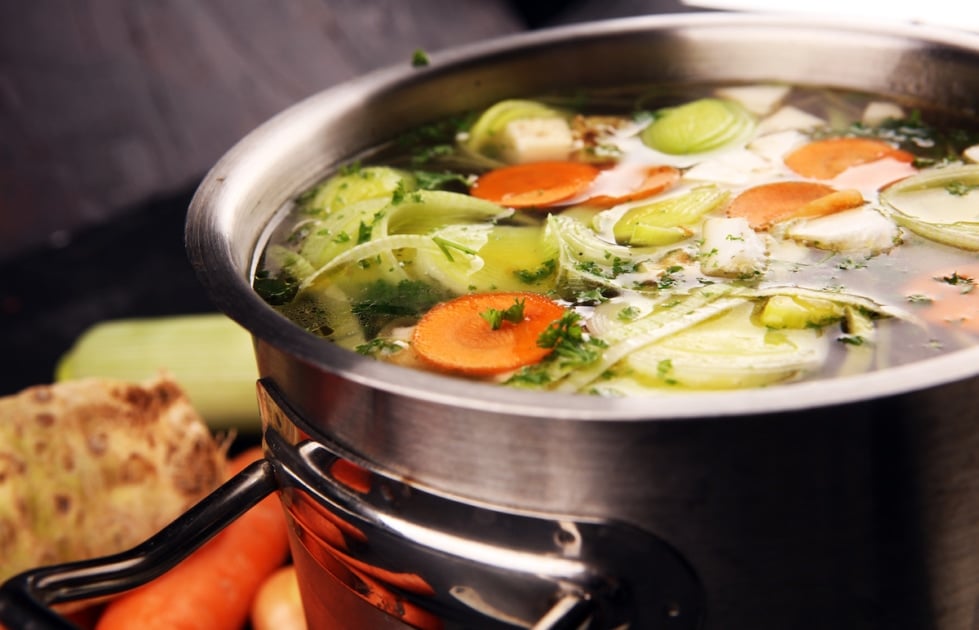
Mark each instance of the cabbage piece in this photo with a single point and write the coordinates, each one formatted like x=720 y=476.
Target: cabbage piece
x=422 y=211
x=729 y=351
x=355 y=184
x=339 y=231
x=699 y=126
x=331 y=239
x=586 y=261
x=668 y=318
x=939 y=204
x=487 y=135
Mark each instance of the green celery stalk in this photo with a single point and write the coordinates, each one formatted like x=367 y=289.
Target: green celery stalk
x=209 y=355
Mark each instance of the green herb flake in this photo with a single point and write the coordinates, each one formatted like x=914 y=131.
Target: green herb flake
x=965 y=283
x=419 y=58
x=569 y=342
x=528 y=276
x=627 y=314
x=959 y=189
x=513 y=314
x=378 y=347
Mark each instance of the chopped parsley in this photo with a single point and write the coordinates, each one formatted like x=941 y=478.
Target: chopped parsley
x=570 y=343
x=512 y=314
x=965 y=283
x=378 y=346
x=419 y=58
x=960 y=189
x=546 y=270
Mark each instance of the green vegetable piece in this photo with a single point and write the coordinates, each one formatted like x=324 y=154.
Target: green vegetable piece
x=663 y=222
x=355 y=184
x=419 y=58
x=940 y=204
x=728 y=351
x=209 y=355
x=698 y=126
x=484 y=135
x=490 y=258
x=786 y=311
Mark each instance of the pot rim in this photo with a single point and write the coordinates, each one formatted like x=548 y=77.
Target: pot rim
x=225 y=272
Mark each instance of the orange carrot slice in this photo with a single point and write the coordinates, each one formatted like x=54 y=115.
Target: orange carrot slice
x=825 y=159
x=656 y=180
x=767 y=204
x=455 y=336
x=949 y=296
x=535 y=184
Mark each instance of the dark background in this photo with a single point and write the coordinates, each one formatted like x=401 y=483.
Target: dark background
x=111 y=111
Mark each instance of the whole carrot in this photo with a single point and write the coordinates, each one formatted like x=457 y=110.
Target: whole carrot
x=214 y=587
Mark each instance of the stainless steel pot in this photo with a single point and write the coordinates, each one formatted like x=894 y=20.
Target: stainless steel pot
x=842 y=504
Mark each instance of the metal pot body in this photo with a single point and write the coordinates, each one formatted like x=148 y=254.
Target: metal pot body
x=842 y=504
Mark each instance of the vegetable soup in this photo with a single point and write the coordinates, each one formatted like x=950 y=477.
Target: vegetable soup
x=645 y=241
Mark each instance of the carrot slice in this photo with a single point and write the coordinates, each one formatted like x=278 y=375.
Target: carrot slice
x=949 y=296
x=656 y=180
x=535 y=184
x=825 y=159
x=455 y=336
x=770 y=203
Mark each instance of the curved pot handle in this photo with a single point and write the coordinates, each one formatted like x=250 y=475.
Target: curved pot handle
x=25 y=599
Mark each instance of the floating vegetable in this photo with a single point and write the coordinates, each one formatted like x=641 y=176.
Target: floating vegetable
x=355 y=184
x=655 y=180
x=729 y=351
x=536 y=185
x=492 y=135
x=940 y=204
x=665 y=221
x=699 y=126
x=767 y=204
x=457 y=336
x=825 y=159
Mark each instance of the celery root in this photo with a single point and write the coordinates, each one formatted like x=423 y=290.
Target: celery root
x=94 y=466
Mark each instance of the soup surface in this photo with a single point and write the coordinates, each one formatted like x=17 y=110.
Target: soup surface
x=645 y=241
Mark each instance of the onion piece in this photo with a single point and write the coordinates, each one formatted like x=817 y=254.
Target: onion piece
x=939 y=204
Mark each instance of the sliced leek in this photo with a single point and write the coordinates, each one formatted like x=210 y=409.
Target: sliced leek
x=357 y=184
x=698 y=127
x=487 y=135
x=666 y=221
